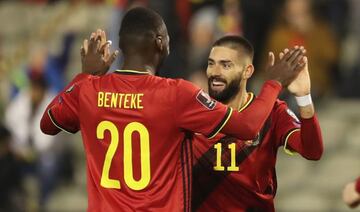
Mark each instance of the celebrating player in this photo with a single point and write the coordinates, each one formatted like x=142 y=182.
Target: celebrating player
x=351 y=194
x=233 y=175
x=134 y=124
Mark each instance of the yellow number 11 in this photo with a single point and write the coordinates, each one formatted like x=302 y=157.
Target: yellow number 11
x=105 y=181
x=218 y=166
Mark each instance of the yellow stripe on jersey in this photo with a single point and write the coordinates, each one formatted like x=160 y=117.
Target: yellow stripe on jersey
x=248 y=102
x=286 y=150
x=222 y=123
x=132 y=71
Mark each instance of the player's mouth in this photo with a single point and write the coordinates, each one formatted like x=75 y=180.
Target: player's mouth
x=217 y=84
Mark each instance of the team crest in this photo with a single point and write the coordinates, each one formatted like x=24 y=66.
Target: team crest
x=205 y=100
x=292 y=114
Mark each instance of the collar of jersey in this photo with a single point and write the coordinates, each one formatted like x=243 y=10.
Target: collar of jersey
x=248 y=102
x=132 y=72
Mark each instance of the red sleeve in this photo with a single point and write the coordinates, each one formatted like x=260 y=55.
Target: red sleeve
x=197 y=112
x=308 y=141
x=357 y=186
x=61 y=113
x=286 y=123
x=246 y=125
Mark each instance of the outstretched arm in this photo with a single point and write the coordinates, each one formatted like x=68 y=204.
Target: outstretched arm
x=308 y=140
x=247 y=124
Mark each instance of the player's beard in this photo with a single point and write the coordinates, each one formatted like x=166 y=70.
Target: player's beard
x=228 y=93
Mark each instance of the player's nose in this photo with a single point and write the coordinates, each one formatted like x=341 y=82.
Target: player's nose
x=216 y=70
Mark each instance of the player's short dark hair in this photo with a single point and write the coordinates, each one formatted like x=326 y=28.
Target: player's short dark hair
x=137 y=24
x=237 y=43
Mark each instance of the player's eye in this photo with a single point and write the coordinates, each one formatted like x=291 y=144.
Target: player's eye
x=226 y=65
x=210 y=63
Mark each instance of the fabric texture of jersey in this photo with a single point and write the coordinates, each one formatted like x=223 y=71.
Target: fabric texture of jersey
x=134 y=133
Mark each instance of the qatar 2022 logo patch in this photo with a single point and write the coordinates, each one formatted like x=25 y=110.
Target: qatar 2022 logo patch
x=206 y=100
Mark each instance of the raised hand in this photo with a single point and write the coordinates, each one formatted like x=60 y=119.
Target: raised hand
x=96 y=57
x=350 y=196
x=301 y=85
x=287 y=68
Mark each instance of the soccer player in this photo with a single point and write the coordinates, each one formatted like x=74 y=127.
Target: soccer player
x=351 y=194
x=134 y=124
x=238 y=175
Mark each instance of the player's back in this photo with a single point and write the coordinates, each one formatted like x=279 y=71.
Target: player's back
x=133 y=146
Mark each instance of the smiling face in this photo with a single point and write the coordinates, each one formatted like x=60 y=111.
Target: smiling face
x=225 y=72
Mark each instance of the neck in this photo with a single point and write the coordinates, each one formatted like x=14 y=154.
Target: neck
x=240 y=99
x=138 y=63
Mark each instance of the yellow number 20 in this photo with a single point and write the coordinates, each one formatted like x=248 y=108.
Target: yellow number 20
x=140 y=184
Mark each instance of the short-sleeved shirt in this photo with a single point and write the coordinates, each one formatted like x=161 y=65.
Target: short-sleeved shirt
x=235 y=175
x=134 y=128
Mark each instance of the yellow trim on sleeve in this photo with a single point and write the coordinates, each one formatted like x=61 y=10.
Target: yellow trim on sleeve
x=56 y=125
x=248 y=102
x=286 y=150
x=222 y=126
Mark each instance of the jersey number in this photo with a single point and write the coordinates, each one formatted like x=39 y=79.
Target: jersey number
x=106 y=182
x=218 y=166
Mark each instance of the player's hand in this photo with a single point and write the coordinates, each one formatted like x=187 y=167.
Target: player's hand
x=287 y=68
x=350 y=196
x=301 y=85
x=96 y=57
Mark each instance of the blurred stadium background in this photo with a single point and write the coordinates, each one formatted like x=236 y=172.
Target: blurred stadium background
x=39 y=53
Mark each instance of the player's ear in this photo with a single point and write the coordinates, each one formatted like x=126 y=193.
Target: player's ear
x=159 y=41
x=248 y=72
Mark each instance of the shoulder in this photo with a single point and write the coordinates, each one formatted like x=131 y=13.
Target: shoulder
x=279 y=106
x=163 y=81
x=186 y=85
x=178 y=82
x=83 y=80
x=181 y=86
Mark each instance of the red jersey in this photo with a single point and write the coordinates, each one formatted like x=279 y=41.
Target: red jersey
x=233 y=175
x=134 y=135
